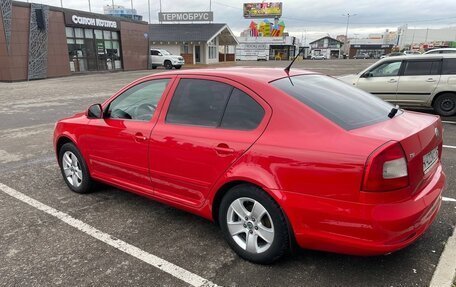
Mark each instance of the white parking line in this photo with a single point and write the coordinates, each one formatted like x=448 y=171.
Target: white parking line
x=448 y=199
x=445 y=272
x=449 y=122
x=168 y=267
x=449 y=146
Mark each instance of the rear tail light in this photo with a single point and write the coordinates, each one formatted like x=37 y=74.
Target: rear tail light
x=386 y=169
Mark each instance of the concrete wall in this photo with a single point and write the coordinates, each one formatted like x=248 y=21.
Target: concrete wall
x=134 y=45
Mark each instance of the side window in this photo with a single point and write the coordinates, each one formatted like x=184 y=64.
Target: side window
x=388 y=69
x=242 y=112
x=198 y=102
x=138 y=102
x=421 y=68
x=154 y=52
x=449 y=67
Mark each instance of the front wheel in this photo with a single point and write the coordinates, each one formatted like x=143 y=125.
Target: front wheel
x=178 y=67
x=253 y=224
x=445 y=104
x=74 y=169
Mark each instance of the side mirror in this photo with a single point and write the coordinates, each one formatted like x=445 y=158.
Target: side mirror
x=367 y=75
x=160 y=54
x=95 y=112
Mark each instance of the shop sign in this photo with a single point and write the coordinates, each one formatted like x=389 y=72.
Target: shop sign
x=88 y=21
x=185 y=16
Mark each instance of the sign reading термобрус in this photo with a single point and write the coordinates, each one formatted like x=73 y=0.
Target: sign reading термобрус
x=185 y=16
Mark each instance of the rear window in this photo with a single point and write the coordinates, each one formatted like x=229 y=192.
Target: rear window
x=347 y=106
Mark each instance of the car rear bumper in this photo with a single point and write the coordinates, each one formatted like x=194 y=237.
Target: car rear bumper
x=363 y=229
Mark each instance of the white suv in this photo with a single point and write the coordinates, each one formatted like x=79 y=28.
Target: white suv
x=160 y=57
x=424 y=81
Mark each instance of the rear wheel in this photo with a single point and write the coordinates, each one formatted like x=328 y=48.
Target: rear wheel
x=74 y=169
x=253 y=224
x=445 y=104
x=168 y=65
x=154 y=67
x=178 y=67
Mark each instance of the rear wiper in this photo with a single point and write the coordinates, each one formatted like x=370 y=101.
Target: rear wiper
x=393 y=112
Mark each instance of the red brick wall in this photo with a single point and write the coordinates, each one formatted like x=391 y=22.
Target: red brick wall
x=188 y=58
x=58 y=61
x=4 y=62
x=134 y=45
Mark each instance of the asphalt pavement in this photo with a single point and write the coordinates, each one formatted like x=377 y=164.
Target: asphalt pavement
x=39 y=249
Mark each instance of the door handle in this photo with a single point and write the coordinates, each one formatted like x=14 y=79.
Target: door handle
x=139 y=137
x=223 y=149
x=392 y=81
x=430 y=80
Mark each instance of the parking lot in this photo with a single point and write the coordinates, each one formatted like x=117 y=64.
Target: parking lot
x=39 y=249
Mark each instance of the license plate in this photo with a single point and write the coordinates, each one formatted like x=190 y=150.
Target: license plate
x=430 y=159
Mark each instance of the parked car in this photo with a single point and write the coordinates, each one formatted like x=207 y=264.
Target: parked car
x=161 y=57
x=318 y=57
x=421 y=81
x=393 y=54
x=441 y=51
x=361 y=56
x=278 y=158
x=263 y=56
x=408 y=53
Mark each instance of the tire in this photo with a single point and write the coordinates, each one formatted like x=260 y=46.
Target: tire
x=269 y=233
x=168 y=65
x=177 y=67
x=154 y=67
x=445 y=104
x=74 y=169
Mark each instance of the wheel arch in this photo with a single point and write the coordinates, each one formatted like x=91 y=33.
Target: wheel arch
x=275 y=194
x=441 y=93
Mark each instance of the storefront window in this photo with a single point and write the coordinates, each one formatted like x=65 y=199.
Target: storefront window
x=88 y=33
x=69 y=32
x=92 y=50
x=98 y=34
x=78 y=32
x=107 y=35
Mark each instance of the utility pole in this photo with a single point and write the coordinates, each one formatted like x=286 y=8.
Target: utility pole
x=148 y=3
x=348 y=15
x=131 y=4
x=61 y=3
x=90 y=8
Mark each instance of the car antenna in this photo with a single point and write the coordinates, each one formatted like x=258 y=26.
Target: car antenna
x=287 y=69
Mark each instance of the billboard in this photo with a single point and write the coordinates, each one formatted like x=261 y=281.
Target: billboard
x=263 y=10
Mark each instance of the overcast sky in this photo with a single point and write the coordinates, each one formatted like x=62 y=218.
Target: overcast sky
x=313 y=19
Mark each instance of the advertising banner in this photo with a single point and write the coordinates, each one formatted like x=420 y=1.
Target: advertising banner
x=263 y=10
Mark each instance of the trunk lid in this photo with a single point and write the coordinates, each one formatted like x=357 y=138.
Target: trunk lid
x=419 y=134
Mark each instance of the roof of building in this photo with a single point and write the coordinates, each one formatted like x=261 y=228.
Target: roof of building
x=324 y=38
x=191 y=33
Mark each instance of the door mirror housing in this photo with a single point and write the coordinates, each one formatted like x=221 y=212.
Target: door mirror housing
x=367 y=75
x=95 y=111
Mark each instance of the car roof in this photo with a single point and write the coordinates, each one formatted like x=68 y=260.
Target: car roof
x=264 y=75
x=419 y=57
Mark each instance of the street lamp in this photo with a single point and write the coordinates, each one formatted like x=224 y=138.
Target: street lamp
x=348 y=15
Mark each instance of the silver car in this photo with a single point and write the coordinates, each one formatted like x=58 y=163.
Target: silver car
x=420 y=81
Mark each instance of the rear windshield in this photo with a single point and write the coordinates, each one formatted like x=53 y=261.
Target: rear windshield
x=347 y=106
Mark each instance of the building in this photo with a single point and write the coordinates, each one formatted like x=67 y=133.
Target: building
x=275 y=48
x=374 y=46
x=39 y=41
x=424 y=37
x=121 y=11
x=197 y=43
x=326 y=46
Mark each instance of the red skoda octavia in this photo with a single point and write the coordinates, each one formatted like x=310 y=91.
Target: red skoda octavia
x=272 y=157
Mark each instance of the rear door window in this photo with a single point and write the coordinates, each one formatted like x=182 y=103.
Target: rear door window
x=346 y=106
x=421 y=68
x=449 y=67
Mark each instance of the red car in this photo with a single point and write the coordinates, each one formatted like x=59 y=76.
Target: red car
x=273 y=158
